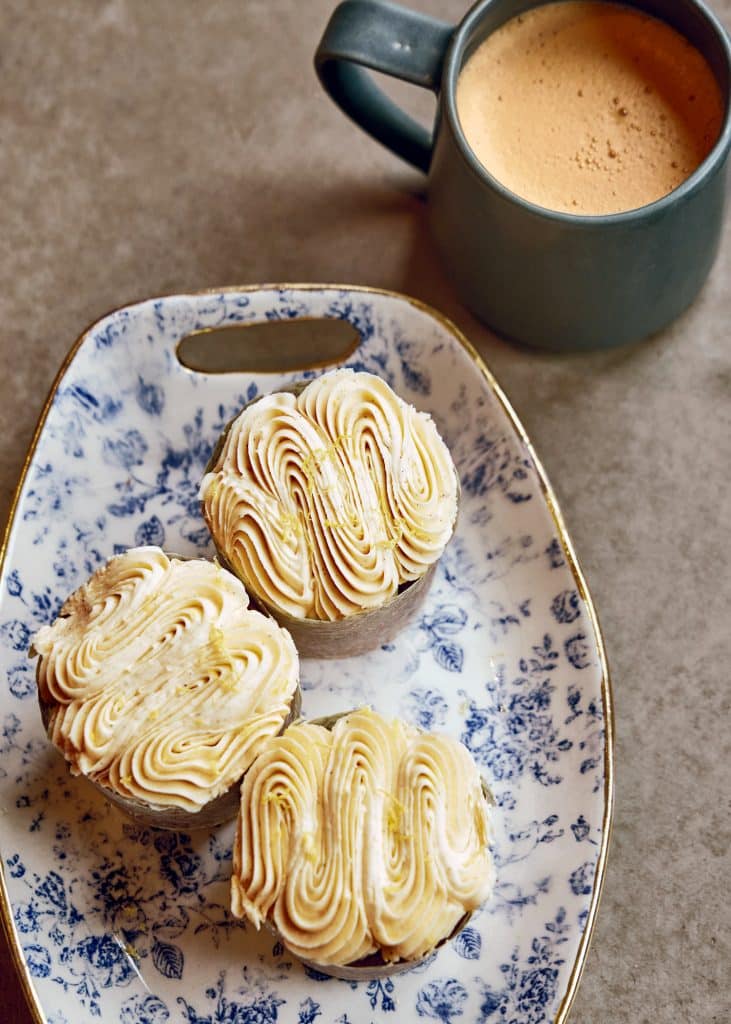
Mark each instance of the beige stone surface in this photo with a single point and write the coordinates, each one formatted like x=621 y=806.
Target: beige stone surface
x=151 y=147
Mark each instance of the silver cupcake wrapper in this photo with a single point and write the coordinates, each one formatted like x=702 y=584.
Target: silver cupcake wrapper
x=374 y=966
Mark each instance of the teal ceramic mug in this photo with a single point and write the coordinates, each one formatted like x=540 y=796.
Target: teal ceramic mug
x=545 y=278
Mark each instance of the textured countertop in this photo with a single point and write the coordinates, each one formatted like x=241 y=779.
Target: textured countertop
x=171 y=145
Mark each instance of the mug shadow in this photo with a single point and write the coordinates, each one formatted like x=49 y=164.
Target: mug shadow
x=304 y=232
x=297 y=235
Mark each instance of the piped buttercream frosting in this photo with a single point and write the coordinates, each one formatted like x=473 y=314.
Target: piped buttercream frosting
x=160 y=683
x=324 y=503
x=372 y=837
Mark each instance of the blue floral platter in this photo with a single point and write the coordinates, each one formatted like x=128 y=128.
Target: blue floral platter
x=115 y=922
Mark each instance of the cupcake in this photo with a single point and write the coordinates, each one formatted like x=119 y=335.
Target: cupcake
x=160 y=685
x=364 y=844
x=333 y=502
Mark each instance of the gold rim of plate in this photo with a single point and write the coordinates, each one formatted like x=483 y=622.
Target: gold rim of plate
x=606 y=686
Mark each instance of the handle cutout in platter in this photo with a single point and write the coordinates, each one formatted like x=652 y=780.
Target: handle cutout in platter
x=270 y=346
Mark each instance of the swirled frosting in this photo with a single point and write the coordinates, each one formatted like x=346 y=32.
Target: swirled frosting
x=324 y=503
x=372 y=837
x=161 y=684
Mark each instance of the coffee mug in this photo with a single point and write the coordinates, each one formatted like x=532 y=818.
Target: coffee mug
x=545 y=278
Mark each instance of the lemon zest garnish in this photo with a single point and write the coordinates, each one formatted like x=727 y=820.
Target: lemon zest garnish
x=217 y=640
x=308 y=846
x=393 y=526
x=311 y=463
x=342 y=524
x=278 y=797
x=290 y=523
x=393 y=819
x=418 y=534
x=394 y=815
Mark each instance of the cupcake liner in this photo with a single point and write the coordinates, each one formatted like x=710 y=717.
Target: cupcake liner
x=359 y=633
x=374 y=966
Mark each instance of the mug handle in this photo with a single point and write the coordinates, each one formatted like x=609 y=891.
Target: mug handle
x=384 y=37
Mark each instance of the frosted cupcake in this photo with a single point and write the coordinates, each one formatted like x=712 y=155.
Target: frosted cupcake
x=365 y=846
x=333 y=503
x=160 y=685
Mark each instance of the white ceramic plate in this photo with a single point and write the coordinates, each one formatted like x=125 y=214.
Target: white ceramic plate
x=114 y=922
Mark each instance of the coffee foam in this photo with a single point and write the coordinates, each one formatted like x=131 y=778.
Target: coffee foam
x=588 y=107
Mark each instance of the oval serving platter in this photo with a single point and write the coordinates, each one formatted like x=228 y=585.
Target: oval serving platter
x=112 y=921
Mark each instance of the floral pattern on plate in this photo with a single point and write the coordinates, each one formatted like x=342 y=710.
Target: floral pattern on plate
x=118 y=922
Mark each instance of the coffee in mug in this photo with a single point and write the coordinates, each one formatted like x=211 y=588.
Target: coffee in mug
x=589 y=107
x=592 y=214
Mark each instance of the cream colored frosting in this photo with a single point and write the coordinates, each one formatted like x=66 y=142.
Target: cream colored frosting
x=371 y=837
x=326 y=502
x=162 y=684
